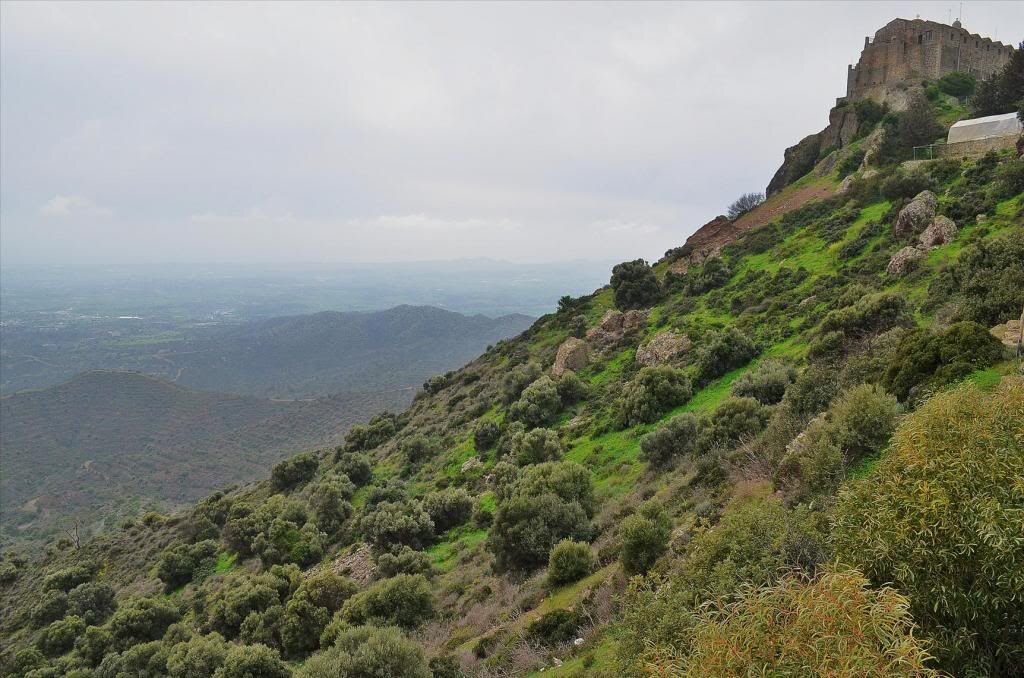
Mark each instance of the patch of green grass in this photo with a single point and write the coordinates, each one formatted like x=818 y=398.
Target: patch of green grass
x=458 y=456
x=988 y=378
x=611 y=369
x=225 y=562
x=863 y=468
x=444 y=554
x=613 y=458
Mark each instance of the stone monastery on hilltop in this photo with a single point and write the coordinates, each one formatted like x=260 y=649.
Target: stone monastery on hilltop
x=912 y=50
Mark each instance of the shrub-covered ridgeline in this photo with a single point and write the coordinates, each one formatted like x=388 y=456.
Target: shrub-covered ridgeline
x=786 y=458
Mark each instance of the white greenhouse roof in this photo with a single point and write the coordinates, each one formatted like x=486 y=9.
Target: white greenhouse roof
x=1003 y=125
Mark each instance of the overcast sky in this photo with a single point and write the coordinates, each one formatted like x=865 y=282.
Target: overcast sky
x=320 y=132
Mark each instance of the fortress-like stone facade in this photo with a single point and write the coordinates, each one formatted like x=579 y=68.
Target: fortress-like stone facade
x=911 y=50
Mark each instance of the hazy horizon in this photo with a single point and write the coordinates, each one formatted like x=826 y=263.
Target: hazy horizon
x=216 y=134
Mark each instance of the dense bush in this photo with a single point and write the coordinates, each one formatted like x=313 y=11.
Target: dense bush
x=536 y=446
x=394 y=524
x=526 y=528
x=767 y=382
x=678 y=437
x=368 y=652
x=301 y=625
x=140 y=620
x=356 y=467
x=902 y=185
x=50 y=606
x=571 y=389
x=418 y=448
x=284 y=541
x=403 y=561
x=198 y=656
x=754 y=542
x=373 y=434
x=731 y=422
x=230 y=606
x=1009 y=180
x=634 y=285
x=958 y=84
x=986 y=281
x=567 y=480
x=59 y=637
x=329 y=500
x=856 y=426
x=555 y=627
x=940 y=517
x=653 y=392
x=514 y=381
x=250 y=661
x=644 y=539
x=928 y=359
x=868 y=315
x=404 y=600
x=714 y=273
x=724 y=351
x=92 y=601
x=293 y=472
x=179 y=562
x=792 y=628
x=485 y=435
x=92 y=644
x=569 y=561
x=538 y=405
x=69 y=577
x=448 y=508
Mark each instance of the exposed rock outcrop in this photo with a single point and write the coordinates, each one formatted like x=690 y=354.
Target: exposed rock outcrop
x=615 y=326
x=941 y=231
x=916 y=216
x=572 y=355
x=797 y=161
x=842 y=127
x=707 y=241
x=662 y=348
x=357 y=565
x=1011 y=333
x=904 y=261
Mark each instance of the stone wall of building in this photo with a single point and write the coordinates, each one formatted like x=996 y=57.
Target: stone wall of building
x=907 y=51
x=967 y=149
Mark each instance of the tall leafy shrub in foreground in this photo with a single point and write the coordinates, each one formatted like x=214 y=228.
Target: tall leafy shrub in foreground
x=793 y=629
x=941 y=519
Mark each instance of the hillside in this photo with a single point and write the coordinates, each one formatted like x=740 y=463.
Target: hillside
x=107 y=444
x=299 y=356
x=791 y=447
x=334 y=352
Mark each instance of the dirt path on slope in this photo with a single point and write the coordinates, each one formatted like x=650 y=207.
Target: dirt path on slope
x=781 y=203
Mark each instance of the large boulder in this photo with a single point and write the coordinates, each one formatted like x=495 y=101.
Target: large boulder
x=664 y=347
x=614 y=326
x=916 y=216
x=572 y=355
x=941 y=231
x=904 y=261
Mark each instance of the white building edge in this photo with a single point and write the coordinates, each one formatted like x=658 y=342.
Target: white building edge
x=1004 y=125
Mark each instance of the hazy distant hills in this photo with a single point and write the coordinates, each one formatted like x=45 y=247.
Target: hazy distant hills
x=290 y=357
x=105 y=444
x=109 y=442
x=333 y=352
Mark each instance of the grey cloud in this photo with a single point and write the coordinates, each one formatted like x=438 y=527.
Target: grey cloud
x=341 y=131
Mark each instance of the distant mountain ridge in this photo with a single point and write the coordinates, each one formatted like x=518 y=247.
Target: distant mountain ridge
x=108 y=443
x=289 y=357
x=332 y=351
